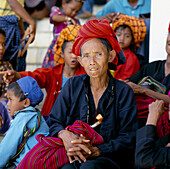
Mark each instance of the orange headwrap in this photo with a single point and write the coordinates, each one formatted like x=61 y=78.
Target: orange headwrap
x=98 y=29
x=137 y=26
x=67 y=34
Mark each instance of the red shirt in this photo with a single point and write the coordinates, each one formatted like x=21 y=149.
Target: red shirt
x=51 y=80
x=131 y=66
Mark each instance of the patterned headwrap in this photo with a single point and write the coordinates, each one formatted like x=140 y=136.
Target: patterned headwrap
x=67 y=34
x=98 y=29
x=137 y=26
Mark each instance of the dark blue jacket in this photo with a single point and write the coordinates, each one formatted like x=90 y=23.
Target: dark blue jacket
x=150 y=151
x=117 y=106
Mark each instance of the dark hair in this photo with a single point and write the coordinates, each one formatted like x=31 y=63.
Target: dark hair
x=2 y=32
x=17 y=90
x=67 y=1
x=64 y=45
x=123 y=28
x=106 y=43
x=39 y=7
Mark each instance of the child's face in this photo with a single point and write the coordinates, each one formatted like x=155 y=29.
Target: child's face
x=70 y=59
x=2 y=45
x=124 y=37
x=14 y=103
x=72 y=8
x=168 y=44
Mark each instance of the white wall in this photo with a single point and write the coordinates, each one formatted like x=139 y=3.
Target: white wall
x=160 y=19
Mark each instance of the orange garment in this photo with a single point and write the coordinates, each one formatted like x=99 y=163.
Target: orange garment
x=137 y=26
x=131 y=66
x=67 y=34
x=98 y=29
x=51 y=80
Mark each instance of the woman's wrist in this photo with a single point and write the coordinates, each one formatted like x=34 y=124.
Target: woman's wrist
x=61 y=133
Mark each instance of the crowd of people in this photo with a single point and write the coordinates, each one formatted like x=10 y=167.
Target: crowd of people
x=99 y=68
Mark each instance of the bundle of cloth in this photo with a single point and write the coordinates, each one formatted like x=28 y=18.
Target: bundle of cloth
x=49 y=152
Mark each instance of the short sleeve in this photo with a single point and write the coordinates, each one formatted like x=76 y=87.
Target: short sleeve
x=54 y=11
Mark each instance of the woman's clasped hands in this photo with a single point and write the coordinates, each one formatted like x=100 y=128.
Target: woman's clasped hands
x=77 y=147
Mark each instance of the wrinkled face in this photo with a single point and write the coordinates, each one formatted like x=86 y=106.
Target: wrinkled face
x=70 y=59
x=168 y=44
x=2 y=45
x=14 y=103
x=124 y=37
x=72 y=8
x=95 y=58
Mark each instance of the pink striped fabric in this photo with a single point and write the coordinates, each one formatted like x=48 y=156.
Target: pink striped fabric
x=50 y=153
x=142 y=102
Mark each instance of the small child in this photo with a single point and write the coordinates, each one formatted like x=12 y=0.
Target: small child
x=130 y=32
x=52 y=79
x=5 y=118
x=61 y=19
x=23 y=95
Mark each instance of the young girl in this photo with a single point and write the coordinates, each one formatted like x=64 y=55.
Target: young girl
x=130 y=32
x=23 y=95
x=60 y=19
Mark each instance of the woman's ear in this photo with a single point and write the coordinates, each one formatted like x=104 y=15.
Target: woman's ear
x=112 y=55
x=62 y=54
x=27 y=102
x=79 y=58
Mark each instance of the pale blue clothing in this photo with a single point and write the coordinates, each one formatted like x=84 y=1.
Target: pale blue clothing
x=8 y=146
x=123 y=6
x=64 y=80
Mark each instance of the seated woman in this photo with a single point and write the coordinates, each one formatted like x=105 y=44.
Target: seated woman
x=151 y=152
x=160 y=71
x=85 y=96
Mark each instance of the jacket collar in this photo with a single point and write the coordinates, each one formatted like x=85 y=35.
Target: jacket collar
x=30 y=108
x=110 y=86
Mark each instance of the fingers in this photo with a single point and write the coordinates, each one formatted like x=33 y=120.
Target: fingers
x=71 y=160
x=80 y=147
x=1 y=121
x=3 y=73
x=77 y=156
x=126 y=81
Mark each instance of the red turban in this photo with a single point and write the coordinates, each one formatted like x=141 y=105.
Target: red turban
x=98 y=29
x=169 y=27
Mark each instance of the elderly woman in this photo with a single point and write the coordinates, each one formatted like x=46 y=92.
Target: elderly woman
x=85 y=96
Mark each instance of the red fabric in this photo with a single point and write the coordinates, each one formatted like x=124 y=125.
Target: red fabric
x=131 y=66
x=49 y=152
x=169 y=27
x=142 y=102
x=51 y=80
x=96 y=29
